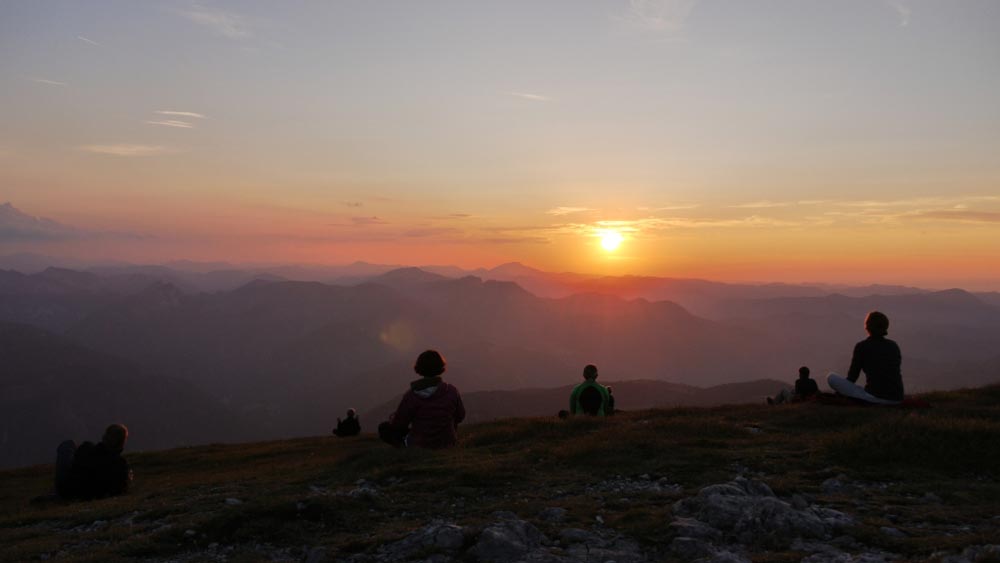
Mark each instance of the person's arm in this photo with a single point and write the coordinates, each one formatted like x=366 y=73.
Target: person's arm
x=403 y=416
x=459 y=409
x=120 y=479
x=856 y=363
x=606 y=397
x=572 y=399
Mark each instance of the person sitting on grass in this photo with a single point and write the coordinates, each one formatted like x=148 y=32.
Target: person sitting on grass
x=611 y=400
x=880 y=359
x=430 y=412
x=805 y=389
x=351 y=426
x=93 y=471
x=590 y=397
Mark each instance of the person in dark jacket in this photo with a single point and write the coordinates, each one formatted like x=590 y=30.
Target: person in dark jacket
x=805 y=389
x=94 y=471
x=430 y=412
x=350 y=426
x=880 y=359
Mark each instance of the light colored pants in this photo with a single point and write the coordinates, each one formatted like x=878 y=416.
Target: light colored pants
x=844 y=387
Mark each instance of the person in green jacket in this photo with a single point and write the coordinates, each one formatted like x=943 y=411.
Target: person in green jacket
x=590 y=397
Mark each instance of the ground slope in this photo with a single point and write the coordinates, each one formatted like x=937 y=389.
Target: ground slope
x=884 y=484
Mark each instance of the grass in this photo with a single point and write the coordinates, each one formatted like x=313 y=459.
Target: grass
x=292 y=492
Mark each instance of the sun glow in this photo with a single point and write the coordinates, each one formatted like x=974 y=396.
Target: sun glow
x=610 y=240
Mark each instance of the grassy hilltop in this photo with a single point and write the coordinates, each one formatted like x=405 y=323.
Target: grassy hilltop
x=917 y=483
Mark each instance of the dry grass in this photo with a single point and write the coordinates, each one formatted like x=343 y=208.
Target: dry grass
x=292 y=491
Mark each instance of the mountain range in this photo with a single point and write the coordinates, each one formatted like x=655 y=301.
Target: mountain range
x=276 y=356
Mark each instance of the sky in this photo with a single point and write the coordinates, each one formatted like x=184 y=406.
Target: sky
x=847 y=141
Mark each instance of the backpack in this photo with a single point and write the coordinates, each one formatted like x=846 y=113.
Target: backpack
x=591 y=400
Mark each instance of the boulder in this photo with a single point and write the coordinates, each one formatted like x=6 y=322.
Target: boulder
x=748 y=512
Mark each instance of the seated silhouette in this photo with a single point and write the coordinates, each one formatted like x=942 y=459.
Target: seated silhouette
x=93 y=471
x=590 y=397
x=880 y=359
x=351 y=426
x=430 y=412
x=805 y=389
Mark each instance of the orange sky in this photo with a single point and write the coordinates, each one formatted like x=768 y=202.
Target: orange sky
x=856 y=143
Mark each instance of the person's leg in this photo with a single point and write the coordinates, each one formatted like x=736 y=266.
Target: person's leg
x=64 y=467
x=848 y=389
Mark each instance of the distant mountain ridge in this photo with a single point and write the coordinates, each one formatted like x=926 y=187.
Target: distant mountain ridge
x=483 y=406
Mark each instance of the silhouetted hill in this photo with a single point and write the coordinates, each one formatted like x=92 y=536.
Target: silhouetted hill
x=52 y=389
x=629 y=396
x=295 y=355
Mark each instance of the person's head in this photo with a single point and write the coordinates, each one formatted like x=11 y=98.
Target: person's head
x=590 y=372
x=877 y=324
x=351 y=413
x=430 y=364
x=115 y=437
x=803 y=372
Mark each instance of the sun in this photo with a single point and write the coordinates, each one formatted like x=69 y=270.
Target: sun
x=610 y=240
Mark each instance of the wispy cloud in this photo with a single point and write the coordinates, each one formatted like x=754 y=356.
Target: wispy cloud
x=762 y=204
x=172 y=123
x=88 y=41
x=530 y=96
x=364 y=221
x=19 y=227
x=354 y=204
x=47 y=81
x=962 y=215
x=126 y=150
x=180 y=113
x=558 y=211
x=902 y=9
x=663 y=16
x=220 y=22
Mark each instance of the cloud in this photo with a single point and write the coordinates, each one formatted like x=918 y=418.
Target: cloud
x=126 y=150
x=662 y=16
x=961 y=215
x=172 y=123
x=363 y=221
x=17 y=226
x=220 y=22
x=180 y=113
x=762 y=205
x=902 y=10
x=532 y=97
x=354 y=204
x=47 y=81
x=88 y=41
x=558 y=211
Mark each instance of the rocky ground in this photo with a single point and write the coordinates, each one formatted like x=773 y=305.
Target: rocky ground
x=808 y=483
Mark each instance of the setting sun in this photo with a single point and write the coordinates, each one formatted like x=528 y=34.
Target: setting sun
x=610 y=240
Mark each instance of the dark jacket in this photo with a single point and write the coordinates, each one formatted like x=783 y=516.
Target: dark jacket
x=98 y=472
x=350 y=426
x=805 y=388
x=432 y=415
x=880 y=359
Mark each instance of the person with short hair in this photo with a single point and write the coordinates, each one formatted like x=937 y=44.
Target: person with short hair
x=880 y=360
x=590 y=397
x=351 y=426
x=430 y=412
x=93 y=471
x=805 y=389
